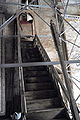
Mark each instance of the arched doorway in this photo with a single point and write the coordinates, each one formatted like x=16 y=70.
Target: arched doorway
x=26 y=24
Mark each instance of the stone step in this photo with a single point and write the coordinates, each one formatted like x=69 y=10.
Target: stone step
x=50 y=119
x=62 y=119
x=27 y=55
x=35 y=73
x=46 y=114
x=25 y=47
x=63 y=114
x=39 y=86
x=42 y=94
x=23 y=43
x=37 y=79
x=43 y=104
x=30 y=50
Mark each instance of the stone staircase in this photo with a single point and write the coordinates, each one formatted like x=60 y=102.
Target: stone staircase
x=43 y=100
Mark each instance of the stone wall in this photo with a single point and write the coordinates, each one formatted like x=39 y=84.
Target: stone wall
x=42 y=29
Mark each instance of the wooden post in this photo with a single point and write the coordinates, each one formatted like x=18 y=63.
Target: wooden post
x=23 y=99
x=2 y=72
x=73 y=105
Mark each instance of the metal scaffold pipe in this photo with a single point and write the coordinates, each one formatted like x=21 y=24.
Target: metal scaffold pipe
x=73 y=105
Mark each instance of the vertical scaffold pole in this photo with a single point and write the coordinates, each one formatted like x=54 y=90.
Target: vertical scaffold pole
x=73 y=105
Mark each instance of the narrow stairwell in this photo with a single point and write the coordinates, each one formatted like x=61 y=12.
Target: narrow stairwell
x=43 y=100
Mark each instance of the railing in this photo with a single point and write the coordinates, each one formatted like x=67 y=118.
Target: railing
x=21 y=78
x=52 y=69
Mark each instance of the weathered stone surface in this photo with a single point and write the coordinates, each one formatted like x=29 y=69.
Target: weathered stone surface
x=11 y=9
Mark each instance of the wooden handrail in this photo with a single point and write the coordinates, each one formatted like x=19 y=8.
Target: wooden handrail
x=22 y=88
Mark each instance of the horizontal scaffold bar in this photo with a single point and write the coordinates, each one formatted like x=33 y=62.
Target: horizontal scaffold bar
x=20 y=4
x=28 y=36
x=31 y=64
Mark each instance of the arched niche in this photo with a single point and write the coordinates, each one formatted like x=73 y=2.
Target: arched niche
x=27 y=23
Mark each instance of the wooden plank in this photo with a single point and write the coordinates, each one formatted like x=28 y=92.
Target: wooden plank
x=32 y=95
x=44 y=104
x=37 y=79
x=47 y=114
x=39 y=86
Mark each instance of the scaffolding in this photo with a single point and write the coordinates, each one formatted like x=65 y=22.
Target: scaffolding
x=61 y=19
